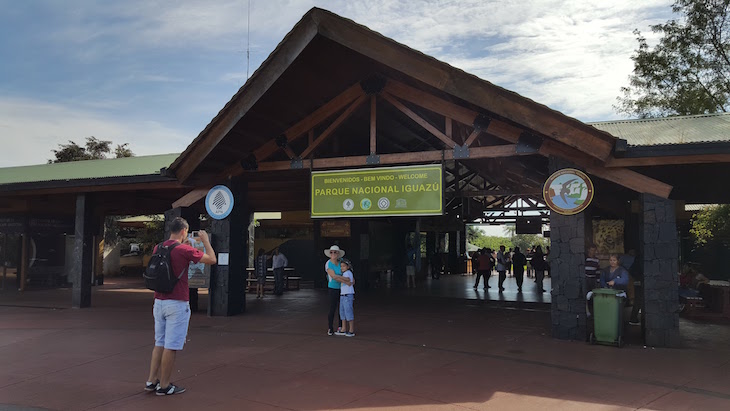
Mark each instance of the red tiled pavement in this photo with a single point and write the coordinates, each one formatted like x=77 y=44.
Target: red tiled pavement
x=411 y=352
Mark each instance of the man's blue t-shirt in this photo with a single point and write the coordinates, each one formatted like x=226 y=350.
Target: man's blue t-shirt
x=336 y=268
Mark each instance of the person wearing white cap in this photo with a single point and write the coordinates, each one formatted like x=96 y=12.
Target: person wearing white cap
x=334 y=281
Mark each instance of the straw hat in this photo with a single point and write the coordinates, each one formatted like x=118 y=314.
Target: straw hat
x=341 y=253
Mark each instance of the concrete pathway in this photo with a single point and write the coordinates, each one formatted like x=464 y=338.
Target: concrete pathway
x=411 y=352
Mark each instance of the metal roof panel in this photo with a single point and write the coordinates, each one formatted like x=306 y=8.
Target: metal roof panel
x=88 y=169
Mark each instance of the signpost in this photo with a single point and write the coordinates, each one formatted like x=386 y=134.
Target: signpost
x=388 y=191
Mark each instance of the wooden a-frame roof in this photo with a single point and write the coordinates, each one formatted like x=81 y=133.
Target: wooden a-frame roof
x=334 y=92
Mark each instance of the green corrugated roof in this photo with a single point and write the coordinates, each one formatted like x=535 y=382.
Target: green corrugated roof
x=89 y=169
x=702 y=128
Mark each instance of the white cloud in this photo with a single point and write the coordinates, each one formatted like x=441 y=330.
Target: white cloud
x=572 y=56
x=31 y=129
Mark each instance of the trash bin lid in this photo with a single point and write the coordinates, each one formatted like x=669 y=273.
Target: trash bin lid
x=607 y=291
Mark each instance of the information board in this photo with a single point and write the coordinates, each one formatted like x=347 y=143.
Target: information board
x=386 y=191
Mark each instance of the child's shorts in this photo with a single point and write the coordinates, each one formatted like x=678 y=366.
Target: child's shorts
x=347 y=312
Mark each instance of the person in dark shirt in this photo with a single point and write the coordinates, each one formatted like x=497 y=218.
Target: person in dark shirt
x=518 y=266
x=592 y=269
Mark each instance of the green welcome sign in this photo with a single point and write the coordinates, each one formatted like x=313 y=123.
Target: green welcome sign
x=387 y=191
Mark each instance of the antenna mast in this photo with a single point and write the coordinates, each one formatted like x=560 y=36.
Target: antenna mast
x=248 y=38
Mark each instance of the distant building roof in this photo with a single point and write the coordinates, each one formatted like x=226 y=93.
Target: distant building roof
x=88 y=169
x=705 y=128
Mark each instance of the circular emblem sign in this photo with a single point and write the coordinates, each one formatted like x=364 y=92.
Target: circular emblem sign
x=568 y=191
x=219 y=202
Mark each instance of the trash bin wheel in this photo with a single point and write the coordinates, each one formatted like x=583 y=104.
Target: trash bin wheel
x=620 y=341
x=592 y=339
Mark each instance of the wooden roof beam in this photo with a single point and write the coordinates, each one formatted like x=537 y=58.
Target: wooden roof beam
x=507 y=150
x=448 y=142
x=331 y=129
x=304 y=125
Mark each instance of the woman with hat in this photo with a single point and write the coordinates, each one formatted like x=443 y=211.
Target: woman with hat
x=334 y=281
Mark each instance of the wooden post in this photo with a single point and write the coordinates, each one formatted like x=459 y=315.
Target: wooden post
x=5 y=258
x=83 y=253
x=372 y=125
x=23 y=275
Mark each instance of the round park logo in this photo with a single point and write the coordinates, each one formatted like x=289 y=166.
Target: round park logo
x=568 y=191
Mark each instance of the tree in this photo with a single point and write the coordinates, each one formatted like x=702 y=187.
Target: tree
x=711 y=224
x=95 y=150
x=688 y=71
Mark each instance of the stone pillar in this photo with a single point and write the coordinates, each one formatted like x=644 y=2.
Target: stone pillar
x=83 y=254
x=659 y=251
x=230 y=235
x=567 y=262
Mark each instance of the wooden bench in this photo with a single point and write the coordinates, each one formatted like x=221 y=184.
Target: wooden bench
x=291 y=282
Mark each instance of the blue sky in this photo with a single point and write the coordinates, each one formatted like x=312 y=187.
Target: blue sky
x=153 y=73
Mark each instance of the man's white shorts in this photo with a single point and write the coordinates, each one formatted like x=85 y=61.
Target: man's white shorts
x=171 y=323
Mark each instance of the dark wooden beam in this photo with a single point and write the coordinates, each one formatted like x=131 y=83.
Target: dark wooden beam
x=332 y=127
x=304 y=125
x=373 y=124
x=507 y=150
x=448 y=142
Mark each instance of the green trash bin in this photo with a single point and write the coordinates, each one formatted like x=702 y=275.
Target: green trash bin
x=608 y=309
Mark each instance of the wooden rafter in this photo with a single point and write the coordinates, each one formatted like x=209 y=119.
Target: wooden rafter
x=507 y=150
x=332 y=127
x=373 y=124
x=448 y=142
x=306 y=124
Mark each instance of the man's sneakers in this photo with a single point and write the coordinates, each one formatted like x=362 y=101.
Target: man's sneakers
x=349 y=334
x=340 y=331
x=170 y=390
x=150 y=386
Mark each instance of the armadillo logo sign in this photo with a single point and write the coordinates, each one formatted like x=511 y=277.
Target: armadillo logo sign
x=568 y=191
x=219 y=202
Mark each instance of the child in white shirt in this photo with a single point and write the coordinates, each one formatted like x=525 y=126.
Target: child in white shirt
x=347 y=299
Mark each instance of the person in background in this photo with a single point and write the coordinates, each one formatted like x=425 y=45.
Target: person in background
x=502 y=259
x=530 y=269
x=347 y=300
x=518 y=266
x=614 y=276
x=510 y=253
x=260 y=270
x=538 y=264
x=411 y=266
x=592 y=269
x=279 y=261
x=484 y=268
x=475 y=262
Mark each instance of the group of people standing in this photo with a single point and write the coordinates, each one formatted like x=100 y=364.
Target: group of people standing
x=485 y=261
x=278 y=263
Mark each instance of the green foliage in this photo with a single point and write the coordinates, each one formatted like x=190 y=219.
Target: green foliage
x=711 y=224
x=492 y=242
x=688 y=71
x=123 y=151
x=525 y=241
x=94 y=150
x=153 y=233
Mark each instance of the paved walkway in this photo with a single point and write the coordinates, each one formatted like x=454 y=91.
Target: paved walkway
x=411 y=352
